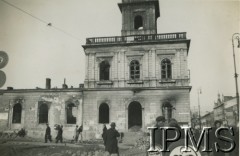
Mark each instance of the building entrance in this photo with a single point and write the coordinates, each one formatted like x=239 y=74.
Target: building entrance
x=134 y=115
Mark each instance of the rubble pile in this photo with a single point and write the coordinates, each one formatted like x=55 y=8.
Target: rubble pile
x=142 y=143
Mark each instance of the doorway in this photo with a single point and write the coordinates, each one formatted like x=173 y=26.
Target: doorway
x=134 y=115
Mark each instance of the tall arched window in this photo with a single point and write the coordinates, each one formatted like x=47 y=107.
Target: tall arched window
x=104 y=70
x=104 y=113
x=166 y=66
x=135 y=70
x=17 y=113
x=43 y=113
x=71 y=113
x=138 y=22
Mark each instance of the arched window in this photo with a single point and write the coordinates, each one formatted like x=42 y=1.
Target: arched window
x=166 y=67
x=43 y=113
x=138 y=22
x=134 y=70
x=71 y=113
x=104 y=70
x=17 y=113
x=104 y=113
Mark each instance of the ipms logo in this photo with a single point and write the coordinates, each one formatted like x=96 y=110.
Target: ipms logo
x=172 y=141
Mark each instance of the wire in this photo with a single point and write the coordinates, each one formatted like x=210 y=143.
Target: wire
x=41 y=20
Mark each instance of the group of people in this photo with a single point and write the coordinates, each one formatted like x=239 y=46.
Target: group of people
x=59 y=136
x=110 y=136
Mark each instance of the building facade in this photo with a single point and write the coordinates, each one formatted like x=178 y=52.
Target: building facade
x=31 y=109
x=225 y=110
x=130 y=79
x=137 y=76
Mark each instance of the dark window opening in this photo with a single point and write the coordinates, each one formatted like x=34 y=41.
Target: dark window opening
x=167 y=109
x=138 y=22
x=43 y=113
x=166 y=67
x=104 y=113
x=104 y=70
x=71 y=113
x=17 y=113
x=134 y=114
x=135 y=70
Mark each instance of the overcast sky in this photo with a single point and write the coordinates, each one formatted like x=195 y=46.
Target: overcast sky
x=37 y=51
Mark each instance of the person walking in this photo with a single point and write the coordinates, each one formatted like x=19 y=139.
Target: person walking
x=104 y=135
x=59 y=134
x=76 y=134
x=111 y=139
x=80 y=130
x=48 y=134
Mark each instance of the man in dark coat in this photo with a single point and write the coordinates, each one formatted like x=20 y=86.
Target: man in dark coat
x=59 y=134
x=111 y=139
x=48 y=134
x=160 y=122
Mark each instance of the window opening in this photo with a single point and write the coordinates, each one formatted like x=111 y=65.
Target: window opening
x=138 y=22
x=71 y=113
x=17 y=113
x=104 y=70
x=43 y=113
x=104 y=113
x=166 y=67
x=135 y=70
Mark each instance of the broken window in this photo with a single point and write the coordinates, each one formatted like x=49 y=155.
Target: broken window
x=43 y=113
x=135 y=70
x=138 y=22
x=71 y=113
x=17 y=113
x=166 y=67
x=104 y=113
x=104 y=70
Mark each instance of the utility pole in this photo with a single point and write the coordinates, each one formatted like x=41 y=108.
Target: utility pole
x=236 y=36
x=199 y=91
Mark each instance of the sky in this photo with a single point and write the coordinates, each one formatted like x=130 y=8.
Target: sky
x=37 y=51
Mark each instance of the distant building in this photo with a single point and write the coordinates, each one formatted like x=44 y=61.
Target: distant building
x=195 y=121
x=207 y=120
x=225 y=109
x=230 y=111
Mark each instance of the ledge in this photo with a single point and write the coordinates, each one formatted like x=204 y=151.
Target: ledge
x=104 y=83
x=167 y=81
x=135 y=82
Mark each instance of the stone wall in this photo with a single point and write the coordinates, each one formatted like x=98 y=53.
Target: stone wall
x=29 y=100
x=118 y=101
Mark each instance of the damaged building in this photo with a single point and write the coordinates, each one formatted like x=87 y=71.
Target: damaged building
x=31 y=109
x=130 y=79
